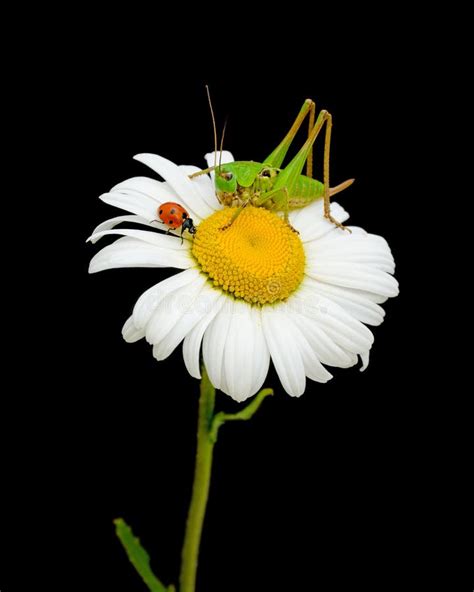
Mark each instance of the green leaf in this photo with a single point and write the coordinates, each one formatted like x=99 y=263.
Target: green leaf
x=138 y=557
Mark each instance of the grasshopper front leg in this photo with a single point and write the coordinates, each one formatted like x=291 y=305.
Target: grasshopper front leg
x=259 y=202
x=237 y=213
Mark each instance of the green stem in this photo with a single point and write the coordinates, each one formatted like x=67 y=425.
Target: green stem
x=202 y=478
x=208 y=427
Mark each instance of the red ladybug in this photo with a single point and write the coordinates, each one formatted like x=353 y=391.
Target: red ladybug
x=174 y=216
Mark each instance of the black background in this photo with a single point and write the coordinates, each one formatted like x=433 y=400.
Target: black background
x=359 y=481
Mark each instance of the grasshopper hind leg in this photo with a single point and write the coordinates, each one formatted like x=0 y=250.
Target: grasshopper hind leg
x=331 y=218
x=327 y=189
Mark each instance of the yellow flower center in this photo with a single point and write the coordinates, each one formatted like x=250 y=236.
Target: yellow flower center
x=259 y=258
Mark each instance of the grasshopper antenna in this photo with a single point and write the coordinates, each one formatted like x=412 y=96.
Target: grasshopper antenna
x=213 y=124
x=212 y=168
x=222 y=142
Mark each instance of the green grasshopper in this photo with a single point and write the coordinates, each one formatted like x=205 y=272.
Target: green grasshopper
x=267 y=185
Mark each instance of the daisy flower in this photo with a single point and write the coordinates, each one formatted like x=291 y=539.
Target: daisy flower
x=252 y=293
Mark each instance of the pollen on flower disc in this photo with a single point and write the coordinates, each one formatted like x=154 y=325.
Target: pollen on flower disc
x=259 y=258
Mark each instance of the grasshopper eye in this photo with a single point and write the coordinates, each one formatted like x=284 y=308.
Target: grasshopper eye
x=265 y=173
x=227 y=176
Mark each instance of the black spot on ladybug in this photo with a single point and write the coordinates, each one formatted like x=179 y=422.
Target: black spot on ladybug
x=161 y=211
x=184 y=215
x=172 y=211
x=170 y=222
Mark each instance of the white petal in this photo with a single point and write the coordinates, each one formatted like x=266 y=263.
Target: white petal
x=213 y=344
x=141 y=205
x=200 y=307
x=238 y=351
x=366 y=249
x=171 y=308
x=353 y=302
x=354 y=255
x=283 y=346
x=192 y=341
x=312 y=225
x=365 y=360
x=347 y=331
x=312 y=366
x=188 y=195
x=355 y=275
x=379 y=262
x=261 y=359
x=246 y=353
x=113 y=222
x=130 y=332
x=204 y=186
x=149 y=300
x=157 y=190
x=213 y=158
x=343 y=328
x=143 y=190
x=371 y=296
x=325 y=348
x=130 y=252
x=357 y=235
x=163 y=241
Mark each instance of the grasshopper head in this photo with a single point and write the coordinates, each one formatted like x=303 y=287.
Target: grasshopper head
x=226 y=179
x=232 y=176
